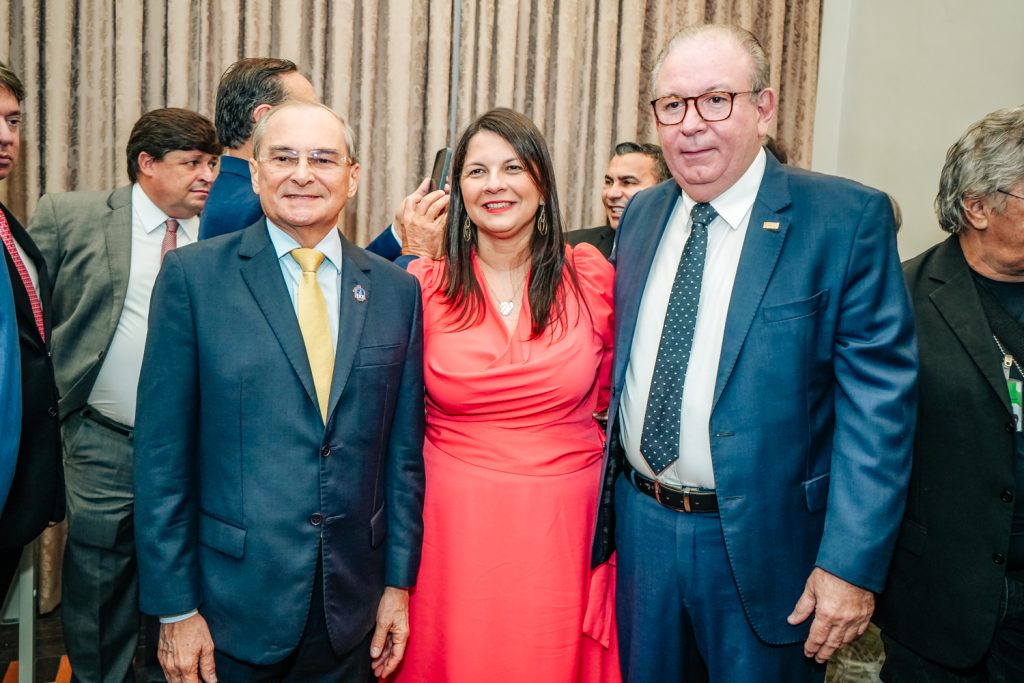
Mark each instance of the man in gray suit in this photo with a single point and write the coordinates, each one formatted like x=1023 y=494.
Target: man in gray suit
x=103 y=251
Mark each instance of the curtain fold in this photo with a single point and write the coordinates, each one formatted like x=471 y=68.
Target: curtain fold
x=580 y=69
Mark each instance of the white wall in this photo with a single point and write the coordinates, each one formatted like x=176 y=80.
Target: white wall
x=899 y=82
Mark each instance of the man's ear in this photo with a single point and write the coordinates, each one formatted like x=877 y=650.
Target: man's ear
x=976 y=211
x=146 y=161
x=254 y=176
x=260 y=111
x=353 y=180
x=766 y=104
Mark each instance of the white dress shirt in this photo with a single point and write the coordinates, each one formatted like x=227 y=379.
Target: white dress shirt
x=113 y=394
x=725 y=243
x=328 y=274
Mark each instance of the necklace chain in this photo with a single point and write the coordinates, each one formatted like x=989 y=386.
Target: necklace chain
x=1008 y=358
x=505 y=306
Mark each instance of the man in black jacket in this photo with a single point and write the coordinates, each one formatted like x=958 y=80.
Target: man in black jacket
x=37 y=492
x=633 y=167
x=953 y=607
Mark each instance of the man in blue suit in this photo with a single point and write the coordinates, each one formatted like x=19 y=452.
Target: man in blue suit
x=763 y=391
x=279 y=472
x=10 y=391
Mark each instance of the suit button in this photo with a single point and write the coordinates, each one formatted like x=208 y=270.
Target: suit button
x=316 y=519
x=999 y=558
x=101 y=354
x=52 y=411
x=1006 y=496
x=325 y=450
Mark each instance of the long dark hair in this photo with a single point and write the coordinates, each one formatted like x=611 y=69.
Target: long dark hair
x=547 y=251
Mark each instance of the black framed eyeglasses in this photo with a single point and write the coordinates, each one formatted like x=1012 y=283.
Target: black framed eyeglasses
x=1011 y=194
x=711 y=106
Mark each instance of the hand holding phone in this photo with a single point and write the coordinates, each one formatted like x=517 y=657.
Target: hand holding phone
x=442 y=164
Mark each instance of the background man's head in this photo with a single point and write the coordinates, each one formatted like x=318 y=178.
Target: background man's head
x=708 y=157
x=981 y=194
x=304 y=167
x=634 y=167
x=249 y=89
x=172 y=154
x=12 y=93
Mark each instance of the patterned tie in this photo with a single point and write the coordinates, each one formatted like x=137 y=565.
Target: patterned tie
x=170 y=238
x=315 y=326
x=659 y=442
x=33 y=298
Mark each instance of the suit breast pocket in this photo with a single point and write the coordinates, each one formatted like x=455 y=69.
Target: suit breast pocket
x=793 y=310
x=389 y=354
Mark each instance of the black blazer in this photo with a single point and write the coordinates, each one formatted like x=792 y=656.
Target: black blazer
x=602 y=237
x=37 y=493
x=946 y=579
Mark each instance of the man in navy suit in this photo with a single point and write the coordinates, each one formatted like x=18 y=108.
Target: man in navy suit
x=10 y=391
x=763 y=391
x=279 y=506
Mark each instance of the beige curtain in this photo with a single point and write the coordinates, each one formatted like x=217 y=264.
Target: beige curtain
x=578 y=68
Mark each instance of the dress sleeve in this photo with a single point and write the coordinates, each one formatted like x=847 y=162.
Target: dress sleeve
x=430 y=274
x=597 y=284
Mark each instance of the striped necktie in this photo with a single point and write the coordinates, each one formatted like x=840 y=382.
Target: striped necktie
x=33 y=297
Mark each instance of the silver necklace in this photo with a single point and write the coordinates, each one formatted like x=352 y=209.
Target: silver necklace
x=1008 y=360
x=506 y=306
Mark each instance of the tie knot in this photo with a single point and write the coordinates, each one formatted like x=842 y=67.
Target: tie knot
x=703 y=214
x=308 y=259
x=172 y=225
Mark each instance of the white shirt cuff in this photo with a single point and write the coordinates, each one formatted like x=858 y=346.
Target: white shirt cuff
x=174 y=618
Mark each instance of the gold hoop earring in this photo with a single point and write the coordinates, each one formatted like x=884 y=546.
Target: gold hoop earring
x=542 y=221
x=466 y=234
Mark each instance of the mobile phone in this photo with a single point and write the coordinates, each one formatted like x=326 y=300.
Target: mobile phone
x=442 y=164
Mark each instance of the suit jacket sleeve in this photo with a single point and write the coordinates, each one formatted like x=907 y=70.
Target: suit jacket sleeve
x=10 y=388
x=875 y=362
x=385 y=245
x=166 y=490
x=405 y=479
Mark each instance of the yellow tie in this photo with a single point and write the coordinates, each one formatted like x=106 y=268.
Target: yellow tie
x=315 y=326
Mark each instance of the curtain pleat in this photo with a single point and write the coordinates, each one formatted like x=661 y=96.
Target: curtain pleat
x=579 y=69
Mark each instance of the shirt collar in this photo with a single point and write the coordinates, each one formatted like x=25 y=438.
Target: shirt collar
x=151 y=216
x=733 y=204
x=283 y=243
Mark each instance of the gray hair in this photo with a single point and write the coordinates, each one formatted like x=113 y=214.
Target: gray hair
x=261 y=127
x=987 y=158
x=760 y=77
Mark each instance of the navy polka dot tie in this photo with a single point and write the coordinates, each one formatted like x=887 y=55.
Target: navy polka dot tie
x=659 y=442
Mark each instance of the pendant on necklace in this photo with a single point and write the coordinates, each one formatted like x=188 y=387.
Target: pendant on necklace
x=506 y=308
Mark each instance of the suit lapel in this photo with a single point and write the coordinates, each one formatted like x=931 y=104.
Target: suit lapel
x=262 y=275
x=958 y=303
x=118 y=236
x=760 y=254
x=355 y=285
x=646 y=227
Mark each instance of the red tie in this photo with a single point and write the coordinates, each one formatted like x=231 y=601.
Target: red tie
x=170 y=238
x=19 y=265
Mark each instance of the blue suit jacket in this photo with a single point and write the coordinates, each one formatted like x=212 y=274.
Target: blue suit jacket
x=238 y=484
x=232 y=205
x=813 y=411
x=10 y=388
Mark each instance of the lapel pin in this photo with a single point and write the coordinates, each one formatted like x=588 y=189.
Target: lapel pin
x=358 y=293
x=771 y=225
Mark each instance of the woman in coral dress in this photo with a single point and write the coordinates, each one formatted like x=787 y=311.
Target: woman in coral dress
x=518 y=329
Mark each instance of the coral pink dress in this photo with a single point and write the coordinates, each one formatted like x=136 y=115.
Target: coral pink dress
x=513 y=458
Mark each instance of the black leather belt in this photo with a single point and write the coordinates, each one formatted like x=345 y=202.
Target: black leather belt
x=685 y=499
x=90 y=413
